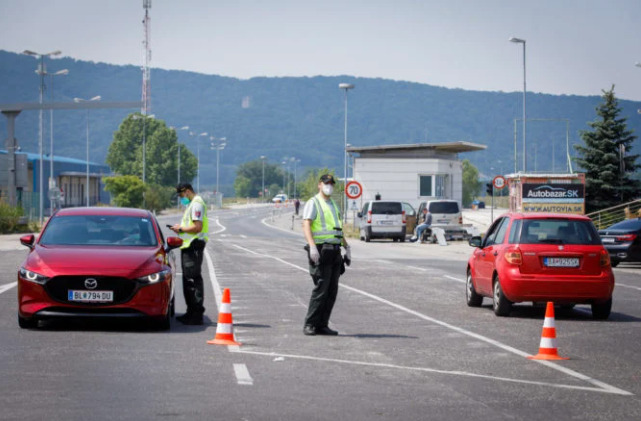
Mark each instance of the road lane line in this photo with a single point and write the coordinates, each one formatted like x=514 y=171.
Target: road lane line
x=627 y=286
x=455 y=279
x=215 y=221
x=242 y=375
x=602 y=387
x=7 y=287
x=555 y=366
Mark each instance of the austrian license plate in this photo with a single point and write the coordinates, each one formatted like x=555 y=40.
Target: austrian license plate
x=90 y=296
x=562 y=262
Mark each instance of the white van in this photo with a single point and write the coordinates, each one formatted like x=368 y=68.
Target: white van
x=382 y=219
x=444 y=212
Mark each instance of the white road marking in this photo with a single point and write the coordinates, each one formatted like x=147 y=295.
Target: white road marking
x=215 y=221
x=455 y=279
x=242 y=375
x=602 y=387
x=628 y=286
x=263 y=221
x=7 y=287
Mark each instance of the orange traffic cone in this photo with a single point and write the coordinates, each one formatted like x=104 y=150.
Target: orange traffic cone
x=225 y=325
x=547 y=348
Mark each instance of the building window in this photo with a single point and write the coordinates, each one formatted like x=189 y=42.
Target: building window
x=425 y=185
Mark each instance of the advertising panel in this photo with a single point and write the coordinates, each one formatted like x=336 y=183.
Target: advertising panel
x=553 y=193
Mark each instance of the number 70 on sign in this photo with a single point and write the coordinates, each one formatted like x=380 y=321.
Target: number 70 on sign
x=353 y=189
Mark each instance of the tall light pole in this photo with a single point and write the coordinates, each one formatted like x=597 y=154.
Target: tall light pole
x=96 y=98
x=41 y=71
x=219 y=144
x=144 y=118
x=522 y=41
x=178 y=166
x=198 y=157
x=296 y=161
x=262 y=194
x=346 y=87
x=284 y=172
x=52 y=181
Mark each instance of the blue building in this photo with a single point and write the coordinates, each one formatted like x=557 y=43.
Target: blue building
x=70 y=177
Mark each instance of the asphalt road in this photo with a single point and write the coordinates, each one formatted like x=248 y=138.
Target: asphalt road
x=409 y=348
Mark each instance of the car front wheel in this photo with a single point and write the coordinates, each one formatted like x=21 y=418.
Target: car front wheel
x=473 y=299
x=501 y=304
x=602 y=310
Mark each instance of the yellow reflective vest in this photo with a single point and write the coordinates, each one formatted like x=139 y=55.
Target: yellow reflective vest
x=327 y=226
x=188 y=221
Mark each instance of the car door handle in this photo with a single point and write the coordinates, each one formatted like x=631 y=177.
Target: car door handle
x=496 y=253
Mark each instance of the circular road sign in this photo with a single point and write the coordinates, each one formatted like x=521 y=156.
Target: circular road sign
x=499 y=182
x=353 y=189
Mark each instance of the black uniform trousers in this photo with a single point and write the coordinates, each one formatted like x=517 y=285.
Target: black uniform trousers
x=193 y=288
x=325 y=276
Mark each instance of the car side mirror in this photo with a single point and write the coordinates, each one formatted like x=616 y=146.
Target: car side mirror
x=476 y=241
x=174 y=242
x=28 y=240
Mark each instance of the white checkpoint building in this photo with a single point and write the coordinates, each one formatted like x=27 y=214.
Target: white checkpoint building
x=410 y=173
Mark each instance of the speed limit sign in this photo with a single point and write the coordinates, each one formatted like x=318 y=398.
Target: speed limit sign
x=353 y=189
x=499 y=182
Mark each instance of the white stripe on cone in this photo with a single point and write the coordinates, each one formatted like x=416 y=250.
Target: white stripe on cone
x=548 y=322
x=548 y=343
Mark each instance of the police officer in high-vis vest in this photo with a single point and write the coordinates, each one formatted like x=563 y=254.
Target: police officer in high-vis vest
x=324 y=235
x=193 y=229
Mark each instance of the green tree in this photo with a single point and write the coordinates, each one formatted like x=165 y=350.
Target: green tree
x=249 y=178
x=125 y=156
x=309 y=186
x=471 y=183
x=126 y=190
x=158 y=197
x=606 y=157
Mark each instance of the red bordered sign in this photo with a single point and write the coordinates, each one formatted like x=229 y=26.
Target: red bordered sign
x=353 y=189
x=499 y=182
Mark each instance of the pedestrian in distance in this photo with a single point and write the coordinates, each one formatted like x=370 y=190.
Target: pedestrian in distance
x=297 y=205
x=323 y=232
x=193 y=229
x=426 y=222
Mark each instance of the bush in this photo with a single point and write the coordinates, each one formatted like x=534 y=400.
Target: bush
x=9 y=218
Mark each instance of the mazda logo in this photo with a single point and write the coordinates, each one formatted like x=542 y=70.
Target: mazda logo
x=91 y=283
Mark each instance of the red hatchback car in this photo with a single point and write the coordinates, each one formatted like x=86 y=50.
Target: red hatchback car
x=98 y=262
x=540 y=257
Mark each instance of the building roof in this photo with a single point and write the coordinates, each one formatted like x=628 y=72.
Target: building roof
x=448 y=147
x=33 y=157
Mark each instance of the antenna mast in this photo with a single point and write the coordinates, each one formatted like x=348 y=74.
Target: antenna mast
x=146 y=74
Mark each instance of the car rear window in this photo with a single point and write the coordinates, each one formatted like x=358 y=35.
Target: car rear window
x=444 y=207
x=386 y=208
x=558 y=231
x=630 y=224
x=110 y=230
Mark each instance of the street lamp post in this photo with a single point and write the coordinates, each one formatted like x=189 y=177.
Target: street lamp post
x=52 y=181
x=296 y=161
x=522 y=41
x=198 y=157
x=219 y=144
x=346 y=87
x=96 y=98
x=178 y=166
x=262 y=194
x=41 y=71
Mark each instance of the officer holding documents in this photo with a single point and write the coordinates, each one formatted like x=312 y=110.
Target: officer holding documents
x=324 y=235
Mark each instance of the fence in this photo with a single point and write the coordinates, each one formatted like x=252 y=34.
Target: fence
x=29 y=202
x=606 y=217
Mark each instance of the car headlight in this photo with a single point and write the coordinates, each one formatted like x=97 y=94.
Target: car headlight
x=31 y=276
x=155 y=277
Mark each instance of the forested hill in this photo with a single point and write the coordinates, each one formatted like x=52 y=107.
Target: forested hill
x=299 y=117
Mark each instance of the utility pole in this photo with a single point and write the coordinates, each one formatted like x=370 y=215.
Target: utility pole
x=146 y=73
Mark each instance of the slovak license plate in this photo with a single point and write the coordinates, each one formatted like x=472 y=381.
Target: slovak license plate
x=607 y=240
x=562 y=262
x=90 y=296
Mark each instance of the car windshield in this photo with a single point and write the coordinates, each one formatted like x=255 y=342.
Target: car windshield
x=386 y=208
x=110 y=230
x=444 y=207
x=628 y=225
x=558 y=231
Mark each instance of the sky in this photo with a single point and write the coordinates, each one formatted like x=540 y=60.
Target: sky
x=573 y=47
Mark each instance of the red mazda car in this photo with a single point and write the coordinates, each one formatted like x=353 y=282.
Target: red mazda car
x=98 y=262
x=540 y=257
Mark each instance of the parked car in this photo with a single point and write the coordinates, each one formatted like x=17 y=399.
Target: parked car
x=479 y=204
x=279 y=198
x=382 y=219
x=444 y=212
x=540 y=257
x=623 y=241
x=98 y=262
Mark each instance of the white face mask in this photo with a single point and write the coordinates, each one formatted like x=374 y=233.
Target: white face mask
x=328 y=189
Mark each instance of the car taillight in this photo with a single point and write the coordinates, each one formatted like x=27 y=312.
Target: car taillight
x=604 y=259
x=626 y=237
x=514 y=257
x=369 y=217
x=460 y=219
x=403 y=217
